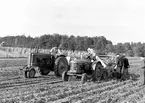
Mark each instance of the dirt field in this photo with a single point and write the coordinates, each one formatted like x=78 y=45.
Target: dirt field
x=49 y=89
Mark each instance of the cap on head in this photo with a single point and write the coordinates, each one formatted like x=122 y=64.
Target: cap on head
x=123 y=55
x=88 y=49
x=117 y=55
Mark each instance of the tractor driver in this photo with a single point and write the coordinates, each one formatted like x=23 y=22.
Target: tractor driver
x=91 y=53
x=54 y=51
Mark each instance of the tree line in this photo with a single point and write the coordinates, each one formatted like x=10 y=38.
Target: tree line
x=98 y=43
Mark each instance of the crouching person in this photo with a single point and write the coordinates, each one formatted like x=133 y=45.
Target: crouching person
x=125 y=74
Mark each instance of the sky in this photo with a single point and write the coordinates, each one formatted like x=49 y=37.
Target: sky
x=117 y=20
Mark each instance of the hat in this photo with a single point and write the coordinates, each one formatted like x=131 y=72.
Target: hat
x=123 y=54
x=117 y=55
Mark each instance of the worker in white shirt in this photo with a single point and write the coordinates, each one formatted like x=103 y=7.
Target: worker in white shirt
x=91 y=54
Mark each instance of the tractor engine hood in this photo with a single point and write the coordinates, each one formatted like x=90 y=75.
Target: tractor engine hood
x=79 y=61
x=75 y=65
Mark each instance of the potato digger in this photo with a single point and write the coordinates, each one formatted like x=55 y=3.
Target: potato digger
x=100 y=68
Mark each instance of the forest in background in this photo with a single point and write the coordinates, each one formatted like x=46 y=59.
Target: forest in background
x=98 y=43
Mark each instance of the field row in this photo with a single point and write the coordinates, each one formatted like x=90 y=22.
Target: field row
x=12 y=62
x=72 y=92
x=14 y=88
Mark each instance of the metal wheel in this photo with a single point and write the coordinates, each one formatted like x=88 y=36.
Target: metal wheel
x=84 y=78
x=70 y=78
x=61 y=65
x=24 y=69
x=32 y=73
x=65 y=76
x=26 y=74
x=97 y=74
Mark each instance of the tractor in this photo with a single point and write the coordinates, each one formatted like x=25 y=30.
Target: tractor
x=86 y=69
x=44 y=63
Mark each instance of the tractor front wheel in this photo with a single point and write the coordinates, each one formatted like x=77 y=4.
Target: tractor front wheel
x=26 y=74
x=65 y=76
x=84 y=78
x=32 y=73
x=25 y=71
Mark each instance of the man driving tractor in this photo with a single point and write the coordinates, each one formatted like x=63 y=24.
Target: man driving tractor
x=55 y=51
x=91 y=54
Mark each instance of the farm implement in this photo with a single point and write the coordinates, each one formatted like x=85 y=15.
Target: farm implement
x=101 y=68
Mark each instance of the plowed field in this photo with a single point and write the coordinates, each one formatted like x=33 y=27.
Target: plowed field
x=14 y=88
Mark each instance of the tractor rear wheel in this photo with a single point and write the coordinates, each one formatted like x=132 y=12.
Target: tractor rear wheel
x=84 y=78
x=32 y=73
x=26 y=74
x=25 y=71
x=97 y=74
x=65 y=76
x=61 y=65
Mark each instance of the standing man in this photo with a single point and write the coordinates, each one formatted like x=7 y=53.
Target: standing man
x=126 y=65
x=120 y=66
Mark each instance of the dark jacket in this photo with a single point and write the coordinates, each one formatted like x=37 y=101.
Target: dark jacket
x=125 y=63
x=120 y=62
